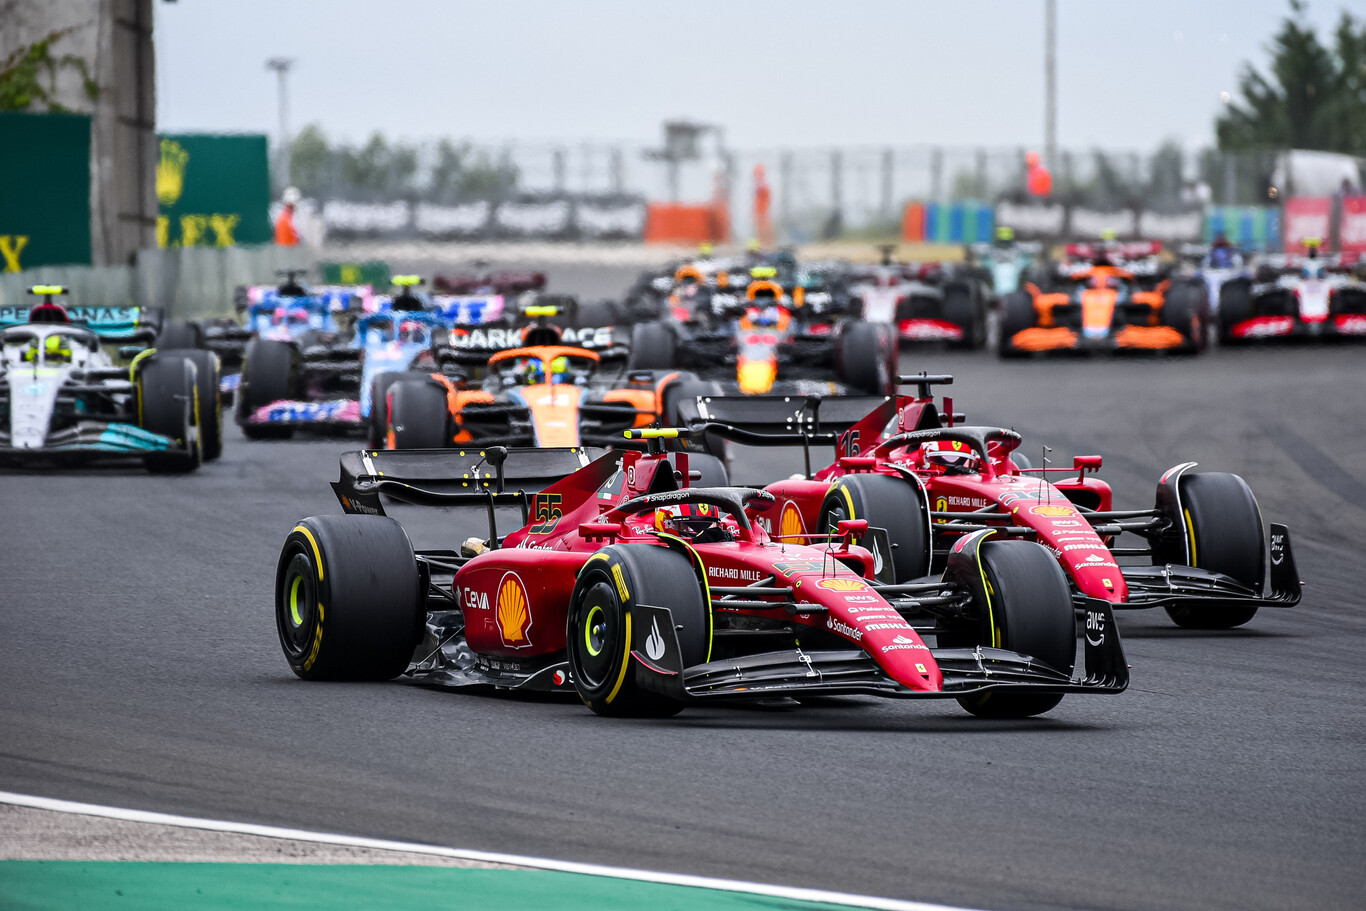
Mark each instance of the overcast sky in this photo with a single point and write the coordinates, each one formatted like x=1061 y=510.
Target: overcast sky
x=773 y=72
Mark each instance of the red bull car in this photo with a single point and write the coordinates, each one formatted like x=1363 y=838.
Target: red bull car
x=1107 y=298
x=929 y=481
x=763 y=335
x=643 y=594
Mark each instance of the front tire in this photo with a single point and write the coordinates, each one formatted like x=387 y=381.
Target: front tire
x=599 y=626
x=1235 y=305
x=1030 y=612
x=348 y=598
x=1224 y=527
x=210 y=398
x=888 y=503
x=168 y=404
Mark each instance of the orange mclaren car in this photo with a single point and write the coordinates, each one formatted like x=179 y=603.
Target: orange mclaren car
x=1106 y=299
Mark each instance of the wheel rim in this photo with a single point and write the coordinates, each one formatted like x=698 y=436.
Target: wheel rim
x=834 y=515
x=298 y=604
x=597 y=641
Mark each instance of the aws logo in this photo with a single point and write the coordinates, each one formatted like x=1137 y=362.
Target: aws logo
x=514 y=612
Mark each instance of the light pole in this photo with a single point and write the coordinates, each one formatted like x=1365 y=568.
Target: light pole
x=281 y=66
x=1050 y=85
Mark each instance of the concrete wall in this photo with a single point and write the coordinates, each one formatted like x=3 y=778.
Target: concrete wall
x=114 y=38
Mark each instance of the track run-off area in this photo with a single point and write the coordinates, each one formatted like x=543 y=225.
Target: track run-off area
x=140 y=668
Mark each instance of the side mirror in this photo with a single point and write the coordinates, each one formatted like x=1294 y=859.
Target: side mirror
x=1083 y=464
x=856 y=528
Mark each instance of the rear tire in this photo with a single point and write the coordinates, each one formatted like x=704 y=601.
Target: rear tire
x=599 y=625
x=418 y=418
x=653 y=347
x=348 y=598
x=269 y=374
x=1181 y=311
x=1017 y=314
x=1031 y=613
x=208 y=387
x=168 y=404
x=180 y=335
x=1235 y=305
x=961 y=308
x=866 y=358
x=1226 y=535
x=377 y=424
x=886 y=503
x=712 y=469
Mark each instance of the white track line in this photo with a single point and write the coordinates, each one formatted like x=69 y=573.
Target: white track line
x=540 y=863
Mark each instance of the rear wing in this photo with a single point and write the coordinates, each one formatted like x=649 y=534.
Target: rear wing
x=111 y=324
x=786 y=414
x=494 y=477
x=777 y=420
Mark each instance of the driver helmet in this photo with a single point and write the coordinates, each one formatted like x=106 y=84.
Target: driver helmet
x=762 y=316
x=55 y=350
x=687 y=520
x=412 y=331
x=952 y=456
x=1005 y=236
x=533 y=371
x=559 y=369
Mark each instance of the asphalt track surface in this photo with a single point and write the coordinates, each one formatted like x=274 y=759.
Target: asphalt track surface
x=139 y=667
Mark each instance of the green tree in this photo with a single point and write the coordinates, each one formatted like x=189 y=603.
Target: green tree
x=1312 y=97
x=310 y=160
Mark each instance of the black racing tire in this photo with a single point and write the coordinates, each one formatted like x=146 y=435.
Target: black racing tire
x=677 y=399
x=1183 y=310
x=1235 y=305
x=596 y=315
x=1030 y=613
x=712 y=469
x=270 y=373
x=963 y=308
x=377 y=424
x=1224 y=525
x=168 y=404
x=348 y=598
x=599 y=633
x=866 y=357
x=1017 y=314
x=418 y=418
x=889 y=503
x=180 y=335
x=653 y=347
x=210 y=397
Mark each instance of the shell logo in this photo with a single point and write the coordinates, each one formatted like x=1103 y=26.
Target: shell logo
x=514 y=612
x=1055 y=511
x=842 y=585
x=790 y=526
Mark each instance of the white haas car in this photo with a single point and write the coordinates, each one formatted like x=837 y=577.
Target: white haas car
x=62 y=397
x=1306 y=296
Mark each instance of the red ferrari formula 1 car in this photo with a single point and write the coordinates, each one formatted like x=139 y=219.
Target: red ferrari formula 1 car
x=930 y=482
x=644 y=594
